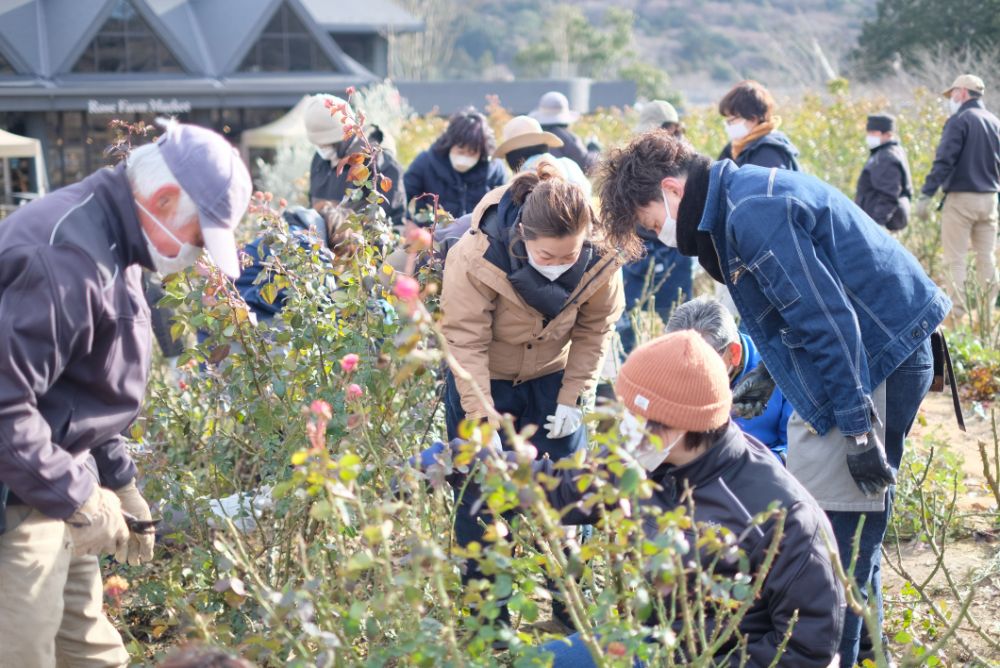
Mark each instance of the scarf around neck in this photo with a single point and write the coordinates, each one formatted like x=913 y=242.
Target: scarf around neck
x=547 y=297
x=690 y=241
x=763 y=129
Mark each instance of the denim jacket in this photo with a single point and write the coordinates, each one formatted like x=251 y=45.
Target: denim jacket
x=834 y=303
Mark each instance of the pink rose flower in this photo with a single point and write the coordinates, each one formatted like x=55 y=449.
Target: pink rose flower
x=349 y=362
x=406 y=289
x=321 y=409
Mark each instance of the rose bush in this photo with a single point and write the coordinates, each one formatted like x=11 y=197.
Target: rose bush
x=335 y=551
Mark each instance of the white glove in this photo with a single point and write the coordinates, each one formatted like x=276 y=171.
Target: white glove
x=923 y=208
x=565 y=421
x=140 y=543
x=98 y=527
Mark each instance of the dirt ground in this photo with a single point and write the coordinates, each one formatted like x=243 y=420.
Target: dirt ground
x=971 y=560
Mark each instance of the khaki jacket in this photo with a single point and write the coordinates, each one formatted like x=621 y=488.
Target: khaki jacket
x=494 y=334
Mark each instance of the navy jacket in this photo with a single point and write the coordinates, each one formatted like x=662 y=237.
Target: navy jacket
x=325 y=183
x=251 y=287
x=458 y=193
x=573 y=148
x=885 y=188
x=774 y=149
x=74 y=341
x=968 y=155
x=833 y=303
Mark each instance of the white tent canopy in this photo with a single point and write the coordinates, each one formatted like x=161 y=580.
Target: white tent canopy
x=16 y=146
x=289 y=129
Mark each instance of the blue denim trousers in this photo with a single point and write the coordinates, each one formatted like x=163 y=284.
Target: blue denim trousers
x=570 y=652
x=905 y=390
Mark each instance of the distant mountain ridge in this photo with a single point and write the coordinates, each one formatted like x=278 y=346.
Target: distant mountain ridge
x=715 y=42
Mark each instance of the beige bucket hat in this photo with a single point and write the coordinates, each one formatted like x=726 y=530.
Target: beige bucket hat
x=524 y=131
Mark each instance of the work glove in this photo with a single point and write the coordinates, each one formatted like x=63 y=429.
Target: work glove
x=750 y=397
x=139 y=547
x=922 y=211
x=868 y=466
x=98 y=527
x=565 y=421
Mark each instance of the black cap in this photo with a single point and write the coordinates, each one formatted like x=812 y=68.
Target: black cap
x=881 y=123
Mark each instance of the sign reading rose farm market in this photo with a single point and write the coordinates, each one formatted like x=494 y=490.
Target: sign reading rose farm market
x=150 y=106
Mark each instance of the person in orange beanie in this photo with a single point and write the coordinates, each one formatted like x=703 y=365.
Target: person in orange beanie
x=677 y=427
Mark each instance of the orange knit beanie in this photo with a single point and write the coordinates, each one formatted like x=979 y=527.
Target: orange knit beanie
x=677 y=380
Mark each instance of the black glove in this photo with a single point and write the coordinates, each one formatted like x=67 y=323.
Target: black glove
x=868 y=466
x=750 y=397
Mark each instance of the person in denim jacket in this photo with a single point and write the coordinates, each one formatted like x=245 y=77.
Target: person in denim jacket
x=841 y=313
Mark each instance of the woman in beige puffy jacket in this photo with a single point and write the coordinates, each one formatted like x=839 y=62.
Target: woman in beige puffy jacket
x=531 y=295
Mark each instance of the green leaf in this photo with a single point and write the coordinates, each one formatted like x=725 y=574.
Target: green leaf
x=503 y=586
x=629 y=481
x=360 y=561
x=269 y=292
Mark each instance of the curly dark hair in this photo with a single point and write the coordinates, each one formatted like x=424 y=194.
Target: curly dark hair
x=748 y=99
x=470 y=129
x=629 y=179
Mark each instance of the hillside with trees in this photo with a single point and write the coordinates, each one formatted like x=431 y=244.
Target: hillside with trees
x=699 y=48
x=798 y=42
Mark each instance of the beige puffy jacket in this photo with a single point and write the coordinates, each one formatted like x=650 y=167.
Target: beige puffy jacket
x=494 y=334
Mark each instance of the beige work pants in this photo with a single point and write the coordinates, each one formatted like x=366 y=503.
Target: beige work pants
x=969 y=218
x=51 y=602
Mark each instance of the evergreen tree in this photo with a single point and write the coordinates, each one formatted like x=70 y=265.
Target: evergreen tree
x=902 y=29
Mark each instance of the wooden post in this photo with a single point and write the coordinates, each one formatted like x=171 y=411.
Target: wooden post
x=8 y=189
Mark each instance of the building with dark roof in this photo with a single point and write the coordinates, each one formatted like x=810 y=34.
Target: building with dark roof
x=67 y=67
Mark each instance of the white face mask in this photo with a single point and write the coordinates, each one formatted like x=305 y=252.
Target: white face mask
x=186 y=256
x=550 y=271
x=462 y=163
x=647 y=455
x=954 y=106
x=327 y=152
x=736 y=130
x=668 y=233
x=873 y=141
